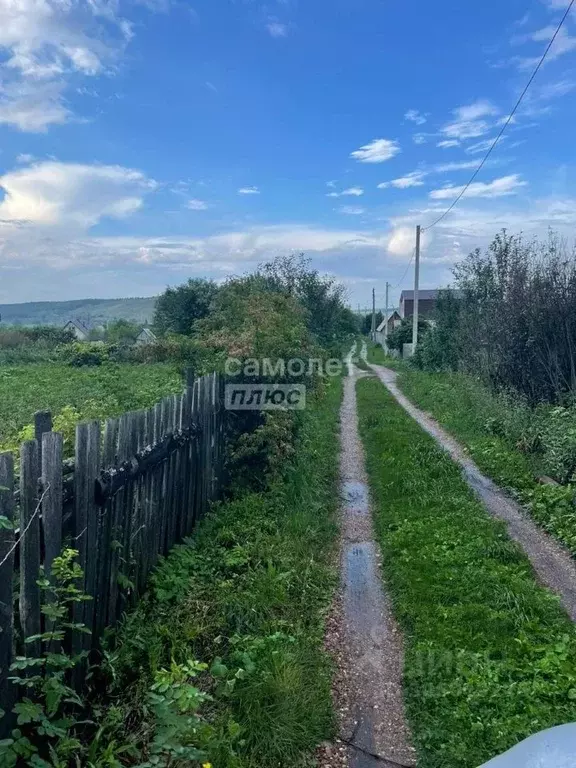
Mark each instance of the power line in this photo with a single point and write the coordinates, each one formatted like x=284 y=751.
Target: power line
x=508 y=121
x=406 y=270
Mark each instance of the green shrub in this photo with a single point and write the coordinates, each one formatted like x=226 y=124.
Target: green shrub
x=85 y=353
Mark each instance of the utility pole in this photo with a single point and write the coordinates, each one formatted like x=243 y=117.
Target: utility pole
x=373 y=314
x=386 y=320
x=416 y=284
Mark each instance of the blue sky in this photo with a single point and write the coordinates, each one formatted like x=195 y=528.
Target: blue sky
x=146 y=142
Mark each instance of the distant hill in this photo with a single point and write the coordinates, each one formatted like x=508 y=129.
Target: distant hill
x=90 y=311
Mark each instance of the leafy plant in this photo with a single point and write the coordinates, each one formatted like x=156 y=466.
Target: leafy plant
x=180 y=732
x=46 y=711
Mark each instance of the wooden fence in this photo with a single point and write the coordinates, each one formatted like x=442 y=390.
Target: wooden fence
x=125 y=499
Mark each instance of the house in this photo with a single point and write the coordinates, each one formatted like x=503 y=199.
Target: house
x=145 y=337
x=427 y=298
x=80 y=331
x=394 y=320
x=426 y=302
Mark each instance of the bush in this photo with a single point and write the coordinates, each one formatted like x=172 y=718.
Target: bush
x=172 y=348
x=403 y=334
x=177 y=309
x=83 y=353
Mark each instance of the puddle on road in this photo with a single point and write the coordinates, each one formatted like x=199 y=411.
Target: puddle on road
x=355 y=496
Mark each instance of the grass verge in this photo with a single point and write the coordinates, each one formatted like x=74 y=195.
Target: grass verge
x=470 y=412
x=248 y=596
x=490 y=655
x=377 y=356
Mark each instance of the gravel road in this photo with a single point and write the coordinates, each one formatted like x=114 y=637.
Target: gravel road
x=362 y=634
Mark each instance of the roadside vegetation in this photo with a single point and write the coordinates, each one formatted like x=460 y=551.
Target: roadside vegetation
x=490 y=655
x=497 y=369
x=247 y=596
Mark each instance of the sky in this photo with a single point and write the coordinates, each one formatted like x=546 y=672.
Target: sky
x=143 y=142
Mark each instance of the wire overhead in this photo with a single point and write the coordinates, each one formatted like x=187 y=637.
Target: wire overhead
x=508 y=121
x=405 y=271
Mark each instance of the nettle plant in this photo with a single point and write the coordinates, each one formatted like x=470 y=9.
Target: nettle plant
x=48 y=708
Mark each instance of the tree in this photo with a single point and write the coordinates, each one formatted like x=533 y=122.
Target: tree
x=122 y=332
x=441 y=347
x=177 y=309
x=323 y=299
x=367 y=323
x=403 y=333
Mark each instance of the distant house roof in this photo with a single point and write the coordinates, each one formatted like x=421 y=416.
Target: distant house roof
x=146 y=333
x=423 y=294
x=427 y=294
x=79 y=325
x=391 y=315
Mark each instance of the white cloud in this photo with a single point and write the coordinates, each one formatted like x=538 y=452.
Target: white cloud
x=377 y=151
x=415 y=117
x=564 y=43
x=506 y=185
x=216 y=254
x=447 y=167
x=32 y=106
x=414 y=179
x=197 y=205
x=401 y=241
x=483 y=146
x=351 y=210
x=468 y=122
x=447 y=143
x=350 y=192
x=70 y=196
x=25 y=159
x=248 y=191
x=44 y=43
x=419 y=138
x=276 y=29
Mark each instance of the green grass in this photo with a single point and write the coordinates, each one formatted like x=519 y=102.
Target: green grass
x=78 y=393
x=251 y=589
x=490 y=655
x=377 y=356
x=470 y=411
x=466 y=408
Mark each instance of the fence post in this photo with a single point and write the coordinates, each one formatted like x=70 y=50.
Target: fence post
x=6 y=578
x=51 y=496
x=42 y=424
x=29 y=545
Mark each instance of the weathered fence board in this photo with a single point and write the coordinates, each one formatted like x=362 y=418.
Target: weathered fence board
x=125 y=499
x=52 y=502
x=6 y=578
x=29 y=546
